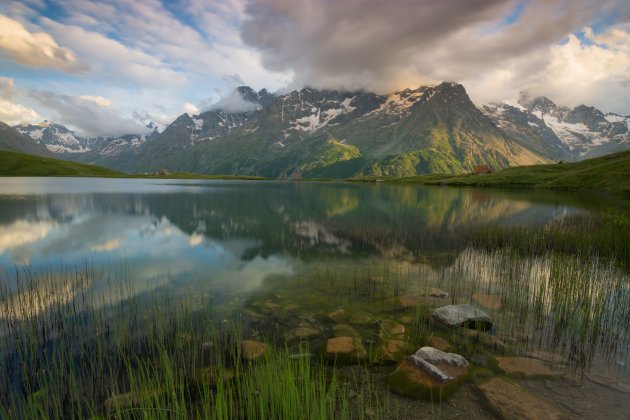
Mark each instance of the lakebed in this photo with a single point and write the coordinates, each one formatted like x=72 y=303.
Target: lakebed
x=137 y=297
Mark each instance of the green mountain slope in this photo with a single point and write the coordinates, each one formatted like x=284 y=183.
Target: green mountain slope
x=340 y=134
x=607 y=174
x=21 y=164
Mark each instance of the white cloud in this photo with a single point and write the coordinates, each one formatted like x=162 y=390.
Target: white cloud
x=190 y=109
x=89 y=117
x=10 y=112
x=98 y=100
x=35 y=49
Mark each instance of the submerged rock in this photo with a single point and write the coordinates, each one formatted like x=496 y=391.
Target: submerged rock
x=121 y=402
x=391 y=329
x=525 y=366
x=488 y=301
x=253 y=350
x=390 y=351
x=512 y=401
x=302 y=332
x=429 y=373
x=438 y=293
x=439 y=343
x=211 y=376
x=345 y=349
x=462 y=316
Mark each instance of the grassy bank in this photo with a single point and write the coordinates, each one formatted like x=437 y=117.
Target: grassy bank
x=21 y=164
x=609 y=175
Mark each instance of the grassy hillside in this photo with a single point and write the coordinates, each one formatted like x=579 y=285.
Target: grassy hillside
x=608 y=174
x=20 y=164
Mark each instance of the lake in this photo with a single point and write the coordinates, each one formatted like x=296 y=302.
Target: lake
x=299 y=262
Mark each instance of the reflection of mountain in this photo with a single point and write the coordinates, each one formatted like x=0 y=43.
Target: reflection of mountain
x=262 y=218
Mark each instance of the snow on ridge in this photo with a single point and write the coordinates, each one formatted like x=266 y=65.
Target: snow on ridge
x=198 y=124
x=573 y=135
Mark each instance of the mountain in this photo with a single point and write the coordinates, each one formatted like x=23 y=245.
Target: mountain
x=338 y=133
x=114 y=152
x=13 y=140
x=560 y=132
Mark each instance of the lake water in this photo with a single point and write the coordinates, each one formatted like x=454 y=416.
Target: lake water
x=300 y=252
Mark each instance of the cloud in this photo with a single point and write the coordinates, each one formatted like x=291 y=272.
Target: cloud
x=190 y=109
x=88 y=116
x=234 y=102
x=98 y=100
x=384 y=46
x=35 y=49
x=10 y=112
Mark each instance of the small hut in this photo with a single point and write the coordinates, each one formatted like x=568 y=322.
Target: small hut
x=483 y=169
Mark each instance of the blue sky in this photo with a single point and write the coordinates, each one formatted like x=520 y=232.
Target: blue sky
x=130 y=62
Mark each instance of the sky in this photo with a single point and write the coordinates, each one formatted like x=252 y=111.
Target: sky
x=110 y=67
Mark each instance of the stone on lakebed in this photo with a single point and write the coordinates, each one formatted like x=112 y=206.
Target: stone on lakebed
x=464 y=315
x=346 y=349
x=512 y=401
x=429 y=374
x=253 y=350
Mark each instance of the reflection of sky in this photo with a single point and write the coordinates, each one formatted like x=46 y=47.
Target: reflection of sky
x=140 y=230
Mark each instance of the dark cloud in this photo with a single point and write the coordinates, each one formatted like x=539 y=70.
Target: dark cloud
x=384 y=45
x=90 y=118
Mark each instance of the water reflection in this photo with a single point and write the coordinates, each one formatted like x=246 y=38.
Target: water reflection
x=224 y=232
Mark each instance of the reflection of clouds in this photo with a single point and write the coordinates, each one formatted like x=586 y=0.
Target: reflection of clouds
x=106 y=246
x=195 y=239
x=36 y=300
x=318 y=234
x=247 y=276
x=23 y=232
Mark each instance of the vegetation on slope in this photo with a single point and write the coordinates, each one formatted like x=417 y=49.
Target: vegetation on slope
x=21 y=164
x=608 y=174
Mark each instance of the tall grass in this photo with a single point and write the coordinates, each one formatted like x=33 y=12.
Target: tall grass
x=68 y=352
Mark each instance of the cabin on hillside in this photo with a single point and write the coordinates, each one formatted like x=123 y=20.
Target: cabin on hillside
x=483 y=169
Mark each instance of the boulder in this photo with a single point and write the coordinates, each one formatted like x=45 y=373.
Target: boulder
x=439 y=343
x=464 y=315
x=512 y=401
x=437 y=293
x=429 y=374
x=302 y=332
x=337 y=315
x=253 y=350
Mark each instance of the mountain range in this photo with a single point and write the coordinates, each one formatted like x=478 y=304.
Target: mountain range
x=334 y=134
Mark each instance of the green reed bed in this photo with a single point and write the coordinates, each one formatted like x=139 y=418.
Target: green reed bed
x=71 y=352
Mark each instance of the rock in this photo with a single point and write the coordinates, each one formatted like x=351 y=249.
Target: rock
x=438 y=293
x=345 y=330
x=302 y=332
x=488 y=301
x=429 y=373
x=439 y=343
x=345 y=349
x=253 y=315
x=439 y=357
x=253 y=350
x=511 y=401
x=462 y=315
x=338 y=315
x=359 y=318
x=212 y=376
x=490 y=342
x=121 y=402
x=391 y=329
x=291 y=307
x=391 y=351
x=407 y=319
x=609 y=382
x=408 y=301
x=525 y=366
x=270 y=307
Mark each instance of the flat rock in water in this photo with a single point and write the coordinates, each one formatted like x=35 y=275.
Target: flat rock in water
x=345 y=349
x=429 y=373
x=512 y=401
x=462 y=315
x=439 y=343
x=525 y=366
x=253 y=350
x=438 y=293
x=488 y=301
x=391 y=351
x=609 y=382
x=302 y=332
x=391 y=329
